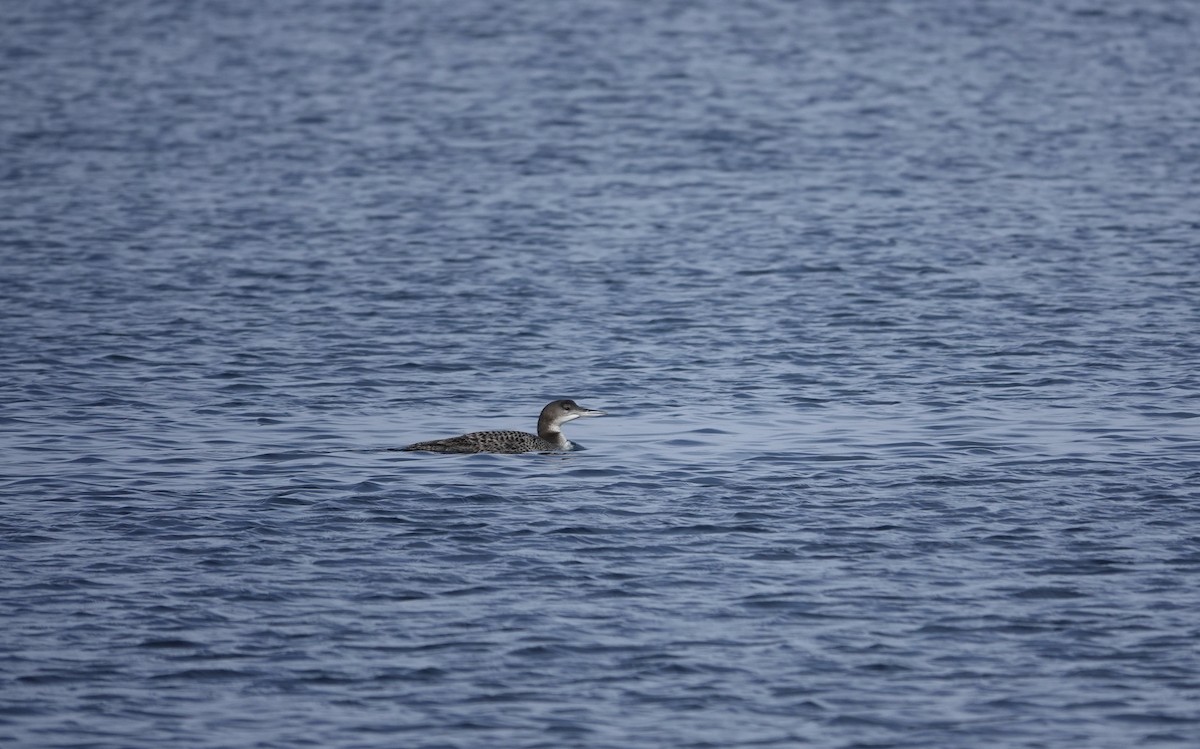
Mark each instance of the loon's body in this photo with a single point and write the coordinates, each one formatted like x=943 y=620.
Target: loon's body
x=549 y=437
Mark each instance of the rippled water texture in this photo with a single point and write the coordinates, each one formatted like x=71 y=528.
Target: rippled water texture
x=893 y=305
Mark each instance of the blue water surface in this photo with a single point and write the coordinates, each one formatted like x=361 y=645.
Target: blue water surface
x=894 y=307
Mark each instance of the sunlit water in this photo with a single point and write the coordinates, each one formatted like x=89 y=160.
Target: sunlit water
x=894 y=308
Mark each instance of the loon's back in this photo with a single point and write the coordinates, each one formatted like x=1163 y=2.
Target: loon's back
x=488 y=442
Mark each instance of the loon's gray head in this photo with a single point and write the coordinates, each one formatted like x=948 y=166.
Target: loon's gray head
x=559 y=412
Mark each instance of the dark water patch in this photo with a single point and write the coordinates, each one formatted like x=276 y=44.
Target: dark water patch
x=169 y=644
x=1049 y=592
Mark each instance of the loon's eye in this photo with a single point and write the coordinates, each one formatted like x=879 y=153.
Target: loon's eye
x=568 y=406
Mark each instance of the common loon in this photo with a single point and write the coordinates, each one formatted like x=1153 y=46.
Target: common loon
x=549 y=436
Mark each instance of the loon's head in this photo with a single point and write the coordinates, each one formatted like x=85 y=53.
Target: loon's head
x=559 y=412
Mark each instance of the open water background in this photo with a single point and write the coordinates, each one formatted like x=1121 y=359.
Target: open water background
x=895 y=306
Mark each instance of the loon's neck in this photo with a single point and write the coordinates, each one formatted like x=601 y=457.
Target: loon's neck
x=551 y=430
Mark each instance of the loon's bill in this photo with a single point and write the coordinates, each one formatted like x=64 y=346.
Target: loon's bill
x=549 y=437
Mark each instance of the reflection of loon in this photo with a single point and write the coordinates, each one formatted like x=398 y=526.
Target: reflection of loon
x=549 y=436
